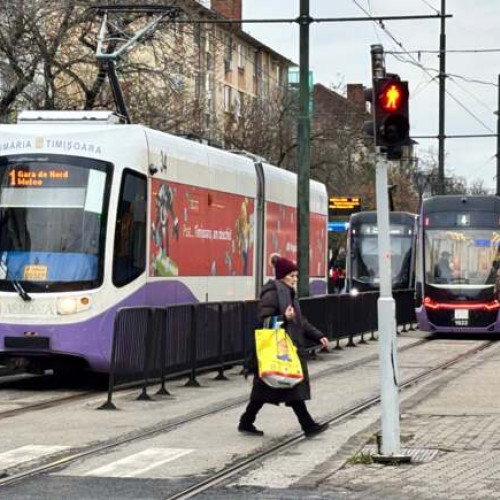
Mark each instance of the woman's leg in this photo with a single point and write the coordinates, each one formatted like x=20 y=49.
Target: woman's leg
x=309 y=426
x=248 y=418
x=304 y=417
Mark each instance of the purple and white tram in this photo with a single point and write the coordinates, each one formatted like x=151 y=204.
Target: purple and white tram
x=458 y=268
x=96 y=215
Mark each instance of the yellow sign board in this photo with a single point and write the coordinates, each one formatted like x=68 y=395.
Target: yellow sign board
x=344 y=205
x=35 y=273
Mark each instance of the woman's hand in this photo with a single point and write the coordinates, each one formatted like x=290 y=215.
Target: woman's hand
x=290 y=313
x=324 y=342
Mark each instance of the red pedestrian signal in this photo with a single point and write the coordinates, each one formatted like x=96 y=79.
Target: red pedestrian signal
x=392 y=125
x=391 y=97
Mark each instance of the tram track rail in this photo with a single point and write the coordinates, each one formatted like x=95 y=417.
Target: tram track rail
x=251 y=460
x=71 y=398
x=146 y=433
x=247 y=462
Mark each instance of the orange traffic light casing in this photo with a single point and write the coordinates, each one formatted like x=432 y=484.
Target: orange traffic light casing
x=392 y=125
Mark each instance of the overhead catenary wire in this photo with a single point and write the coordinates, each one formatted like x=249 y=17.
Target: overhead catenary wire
x=447 y=51
x=431 y=6
x=453 y=79
x=419 y=65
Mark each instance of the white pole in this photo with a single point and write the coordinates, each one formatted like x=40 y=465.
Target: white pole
x=387 y=322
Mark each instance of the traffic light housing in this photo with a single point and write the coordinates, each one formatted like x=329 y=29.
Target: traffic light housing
x=392 y=124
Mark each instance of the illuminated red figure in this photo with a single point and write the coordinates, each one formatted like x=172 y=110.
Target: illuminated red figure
x=392 y=98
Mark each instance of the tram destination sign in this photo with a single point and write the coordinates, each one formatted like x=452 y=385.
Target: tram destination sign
x=343 y=205
x=37 y=176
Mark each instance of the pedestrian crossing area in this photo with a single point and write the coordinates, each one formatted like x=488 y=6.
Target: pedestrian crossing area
x=139 y=463
x=26 y=454
x=134 y=465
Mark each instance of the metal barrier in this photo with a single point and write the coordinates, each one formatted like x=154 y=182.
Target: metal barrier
x=151 y=343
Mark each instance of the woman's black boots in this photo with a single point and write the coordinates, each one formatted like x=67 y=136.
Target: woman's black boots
x=248 y=418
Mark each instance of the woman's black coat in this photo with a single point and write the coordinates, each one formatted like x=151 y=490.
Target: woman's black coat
x=275 y=297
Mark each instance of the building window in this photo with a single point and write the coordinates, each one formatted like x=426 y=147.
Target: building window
x=238 y=105
x=242 y=55
x=257 y=62
x=227 y=98
x=129 y=260
x=210 y=62
x=228 y=52
x=197 y=33
x=177 y=77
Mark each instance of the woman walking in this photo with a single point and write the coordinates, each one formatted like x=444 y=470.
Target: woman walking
x=279 y=298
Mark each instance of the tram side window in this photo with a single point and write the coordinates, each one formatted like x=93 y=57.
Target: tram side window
x=130 y=235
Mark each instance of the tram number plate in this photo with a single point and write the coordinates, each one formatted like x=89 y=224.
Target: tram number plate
x=461 y=317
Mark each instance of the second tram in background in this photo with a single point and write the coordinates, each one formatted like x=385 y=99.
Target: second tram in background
x=362 y=269
x=458 y=264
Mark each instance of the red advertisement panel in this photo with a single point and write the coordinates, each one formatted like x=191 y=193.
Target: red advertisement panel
x=317 y=244
x=199 y=232
x=281 y=232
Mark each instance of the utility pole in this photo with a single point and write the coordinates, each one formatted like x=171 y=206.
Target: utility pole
x=386 y=306
x=498 y=139
x=304 y=153
x=442 y=96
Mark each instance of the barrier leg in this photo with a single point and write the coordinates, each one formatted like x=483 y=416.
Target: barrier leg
x=162 y=391
x=144 y=396
x=192 y=382
x=148 y=351
x=337 y=347
x=351 y=342
x=220 y=374
x=109 y=405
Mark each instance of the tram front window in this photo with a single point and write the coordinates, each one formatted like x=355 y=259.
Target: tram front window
x=466 y=257
x=365 y=255
x=52 y=222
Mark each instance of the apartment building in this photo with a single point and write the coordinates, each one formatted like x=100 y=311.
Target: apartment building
x=235 y=70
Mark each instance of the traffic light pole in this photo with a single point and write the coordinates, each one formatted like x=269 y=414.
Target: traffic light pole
x=304 y=133
x=386 y=307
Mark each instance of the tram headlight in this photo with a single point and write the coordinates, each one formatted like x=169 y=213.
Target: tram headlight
x=72 y=305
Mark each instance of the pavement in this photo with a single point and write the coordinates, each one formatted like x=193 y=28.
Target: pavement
x=449 y=424
x=455 y=425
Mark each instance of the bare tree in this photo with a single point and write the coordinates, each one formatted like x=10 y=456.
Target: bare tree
x=477 y=187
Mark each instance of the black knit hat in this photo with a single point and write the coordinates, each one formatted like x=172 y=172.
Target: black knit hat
x=282 y=266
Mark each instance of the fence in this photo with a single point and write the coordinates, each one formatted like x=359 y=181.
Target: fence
x=151 y=343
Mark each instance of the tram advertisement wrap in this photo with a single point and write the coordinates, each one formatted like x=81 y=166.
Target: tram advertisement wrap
x=281 y=237
x=199 y=232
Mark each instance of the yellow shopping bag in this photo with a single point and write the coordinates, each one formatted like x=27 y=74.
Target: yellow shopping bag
x=279 y=363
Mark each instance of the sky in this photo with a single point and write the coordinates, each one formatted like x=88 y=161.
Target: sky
x=340 y=54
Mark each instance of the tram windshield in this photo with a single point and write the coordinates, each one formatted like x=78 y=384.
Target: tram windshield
x=52 y=222
x=468 y=257
x=365 y=266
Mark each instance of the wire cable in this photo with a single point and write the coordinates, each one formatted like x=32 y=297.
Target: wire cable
x=431 y=6
x=448 y=51
x=452 y=78
x=426 y=70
